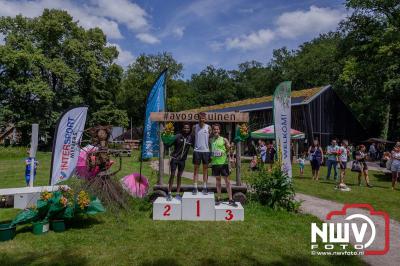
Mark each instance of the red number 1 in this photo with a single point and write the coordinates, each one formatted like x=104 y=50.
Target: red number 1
x=167 y=210
x=229 y=215
x=198 y=208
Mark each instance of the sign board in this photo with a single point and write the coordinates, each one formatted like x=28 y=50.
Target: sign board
x=234 y=117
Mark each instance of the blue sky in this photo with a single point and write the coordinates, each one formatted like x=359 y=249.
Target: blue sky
x=223 y=33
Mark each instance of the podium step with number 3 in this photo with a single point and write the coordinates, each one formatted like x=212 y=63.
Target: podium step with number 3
x=197 y=207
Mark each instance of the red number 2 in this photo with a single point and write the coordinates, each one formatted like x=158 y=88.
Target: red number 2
x=229 y=215
x=198 y=208
x=167 y=210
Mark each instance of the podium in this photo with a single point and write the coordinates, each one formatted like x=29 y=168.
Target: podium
x=167 y=210
x=225 y=212
x=197 y=207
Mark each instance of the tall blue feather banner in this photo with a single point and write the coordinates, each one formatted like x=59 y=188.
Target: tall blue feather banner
x=155 y=103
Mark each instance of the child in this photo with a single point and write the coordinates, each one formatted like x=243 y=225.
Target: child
x=301 y=161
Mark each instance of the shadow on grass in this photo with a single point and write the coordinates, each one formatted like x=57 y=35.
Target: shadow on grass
x=65 y=257
x=245 y=259
x=83 y=223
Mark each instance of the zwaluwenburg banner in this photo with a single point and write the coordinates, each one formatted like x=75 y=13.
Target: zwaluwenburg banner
x=282 y=121
x=155 y=103
x=66 y=144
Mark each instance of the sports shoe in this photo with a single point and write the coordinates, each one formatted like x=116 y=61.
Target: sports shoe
x=194 y=192
x=205 y=191
x=368 y=185
x=169 y=197
x=178 y=197
x=232 y=203
x=217 y=202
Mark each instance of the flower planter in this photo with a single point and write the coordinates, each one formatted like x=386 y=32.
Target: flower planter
x=40 y=228
x=7 y=232
x=57 y=225
x=168 y=139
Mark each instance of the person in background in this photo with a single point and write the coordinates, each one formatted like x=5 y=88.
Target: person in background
x=351 y=151
x=28 y=162
x=232 y=156
x=301 y=161
x=372 y=152
x=254 y=163
x=270 y=156
x=263 y=150
x=315 y=154
x=201 y=151
x=343 y=153
x=182 y=144
x=361 y=156
x=395 y=167
x=219 y=160
x=332 y=160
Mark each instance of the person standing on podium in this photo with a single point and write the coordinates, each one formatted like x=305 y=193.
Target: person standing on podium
x=219 y=161
x=201 y=151
x=182 y=144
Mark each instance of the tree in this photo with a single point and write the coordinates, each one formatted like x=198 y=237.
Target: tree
x=140 y=76
x=371 y=75
x=49 y=64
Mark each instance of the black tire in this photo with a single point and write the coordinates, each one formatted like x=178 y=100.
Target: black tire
x=240 y=197
x=157 y=193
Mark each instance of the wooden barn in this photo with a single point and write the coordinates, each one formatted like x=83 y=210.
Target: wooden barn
x=318 y=112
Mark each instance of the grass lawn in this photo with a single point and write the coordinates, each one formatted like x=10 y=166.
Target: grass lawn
x=265 y=237
x=381 y=196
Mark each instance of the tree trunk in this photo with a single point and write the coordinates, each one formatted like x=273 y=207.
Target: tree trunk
x=385 y=128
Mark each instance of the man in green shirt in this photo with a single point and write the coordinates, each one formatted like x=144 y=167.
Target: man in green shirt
x=219 y=160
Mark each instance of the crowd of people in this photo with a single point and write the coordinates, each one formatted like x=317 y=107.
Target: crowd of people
x=337 y=158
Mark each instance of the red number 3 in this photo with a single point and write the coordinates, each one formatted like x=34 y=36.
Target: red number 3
x=167 y=210
x=229 y=215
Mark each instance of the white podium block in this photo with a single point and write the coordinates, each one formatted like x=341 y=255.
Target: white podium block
x=167 y=210
x=198 y=207
x=224 y=212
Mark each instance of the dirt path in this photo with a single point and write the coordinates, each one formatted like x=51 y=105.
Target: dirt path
x=321 y=207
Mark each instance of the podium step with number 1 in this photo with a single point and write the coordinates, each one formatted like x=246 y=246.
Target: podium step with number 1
x=198 y=207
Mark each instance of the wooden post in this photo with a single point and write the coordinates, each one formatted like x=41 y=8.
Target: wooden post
x=161 y=156
x=238 y=160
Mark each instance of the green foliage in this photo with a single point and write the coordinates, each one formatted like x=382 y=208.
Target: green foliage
x=49 y=64
x=140 y=76
x=273 y=189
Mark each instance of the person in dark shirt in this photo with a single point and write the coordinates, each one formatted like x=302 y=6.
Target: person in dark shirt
x=182 y=144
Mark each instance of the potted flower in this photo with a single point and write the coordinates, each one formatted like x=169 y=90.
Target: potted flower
x=167 y=136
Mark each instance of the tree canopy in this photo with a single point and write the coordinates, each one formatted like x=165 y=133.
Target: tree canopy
x=50 y=63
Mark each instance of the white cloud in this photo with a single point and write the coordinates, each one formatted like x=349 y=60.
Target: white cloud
x=147 y=38
x=313 y=21
x=251 y=41
x=123 y=11
x=125 y=57
x=289 y=25
x=178 y=31
x=105 y=14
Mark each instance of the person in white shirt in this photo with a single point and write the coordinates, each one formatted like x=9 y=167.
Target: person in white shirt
x=201 y=151
x=343 y=154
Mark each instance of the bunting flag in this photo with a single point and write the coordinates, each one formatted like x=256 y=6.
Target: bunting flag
x=66 y=144
x=282 y=121
x=155 y=103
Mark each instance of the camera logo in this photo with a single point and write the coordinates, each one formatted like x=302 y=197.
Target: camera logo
x=366 y=233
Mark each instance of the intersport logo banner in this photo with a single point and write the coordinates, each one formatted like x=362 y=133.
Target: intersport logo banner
x=352 y=228
x=66 y=144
